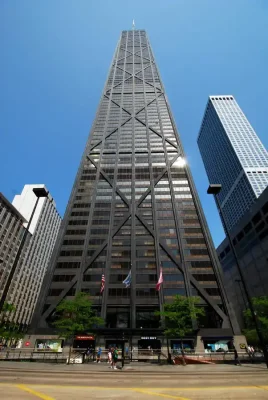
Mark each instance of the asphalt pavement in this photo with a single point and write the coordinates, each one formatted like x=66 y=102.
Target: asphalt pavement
x=25 y=380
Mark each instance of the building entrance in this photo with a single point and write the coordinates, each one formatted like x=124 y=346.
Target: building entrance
x=84 y=342
x=149 y=343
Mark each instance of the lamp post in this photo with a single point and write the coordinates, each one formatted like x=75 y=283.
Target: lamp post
x=39 y=192
x=215 y=190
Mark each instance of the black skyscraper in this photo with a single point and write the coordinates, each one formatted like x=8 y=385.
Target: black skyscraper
x=134 y=207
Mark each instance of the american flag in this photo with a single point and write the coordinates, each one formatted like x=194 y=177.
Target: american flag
x=102 y=283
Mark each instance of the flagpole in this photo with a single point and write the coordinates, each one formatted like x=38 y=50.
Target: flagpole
x=131 y=319
x=128 y=283
x=101 y=289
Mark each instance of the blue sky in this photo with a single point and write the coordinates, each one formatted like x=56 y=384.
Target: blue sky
x=55 y=59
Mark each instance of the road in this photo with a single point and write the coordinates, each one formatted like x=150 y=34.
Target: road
x=194 y=382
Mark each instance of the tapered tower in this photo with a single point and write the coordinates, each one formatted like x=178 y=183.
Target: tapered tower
x=134 y=208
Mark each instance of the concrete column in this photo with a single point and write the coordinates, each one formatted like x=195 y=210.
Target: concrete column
x=199 y=346
x=240 y=341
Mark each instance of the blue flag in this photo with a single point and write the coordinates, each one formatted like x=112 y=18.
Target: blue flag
x=127 y=281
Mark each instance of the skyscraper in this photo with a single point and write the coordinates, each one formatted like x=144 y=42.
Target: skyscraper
x=250 y=240
x=233 y=156
x=134 y=208
x=33 y=263
x=11 y=233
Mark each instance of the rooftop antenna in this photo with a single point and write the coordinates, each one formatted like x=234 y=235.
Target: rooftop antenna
x=133 y=25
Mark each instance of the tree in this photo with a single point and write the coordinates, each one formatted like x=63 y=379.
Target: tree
x=76 y=316
x=260 y=305
x=9 y=330
x=179 y=316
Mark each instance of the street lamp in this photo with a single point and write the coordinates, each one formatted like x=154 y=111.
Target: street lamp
x=39 y=192
x=215 y=190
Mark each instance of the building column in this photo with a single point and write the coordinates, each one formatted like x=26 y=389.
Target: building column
x=199 y=346
x=240 y=340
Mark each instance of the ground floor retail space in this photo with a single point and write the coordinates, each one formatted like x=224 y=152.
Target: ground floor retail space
x=137 y=342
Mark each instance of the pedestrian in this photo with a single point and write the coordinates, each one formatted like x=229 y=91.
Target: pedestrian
x=110 y=357
x=115 y=358
x=99 y=355
x=112 y=353
x=88 y=352
x=236 y=358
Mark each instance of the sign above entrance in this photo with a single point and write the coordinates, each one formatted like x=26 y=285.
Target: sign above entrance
x=84 y=338
x=148 y=338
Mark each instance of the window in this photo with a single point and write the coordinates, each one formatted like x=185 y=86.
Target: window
x=68 y=265
x=152 y=278
x=54 y=292
x=117 y=317
x=62 y=278
x=146 y=318
x=248 y=227
x=80 y=214
x=265 y=208
x=119 y=292
x=75 y=232
x=213 y=291
x=73 y=242
x=146 y=292
x=263 y=234
x=256 y=218
x=92 y=278
x=78 y=222
x=240 y=236
x=69 y=253
x=170 y=292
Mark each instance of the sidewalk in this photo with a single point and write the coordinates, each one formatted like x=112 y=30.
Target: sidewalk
x=134 y=367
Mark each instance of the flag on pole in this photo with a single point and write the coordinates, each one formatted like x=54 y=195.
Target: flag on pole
x=127 y=281
x=102 y=283
x=160 y=281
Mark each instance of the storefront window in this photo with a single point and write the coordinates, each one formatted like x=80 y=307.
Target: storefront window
x=51 y=345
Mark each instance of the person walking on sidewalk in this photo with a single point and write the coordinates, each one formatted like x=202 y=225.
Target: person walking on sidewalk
x=236 y=358
x=99 y=355
x=110 y=357
x=115 y=358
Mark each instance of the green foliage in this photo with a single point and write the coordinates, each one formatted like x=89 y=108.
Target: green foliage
x=260 y=305
x=76 y=316
x=179 y=316
x=8 y=307
x=9 y=330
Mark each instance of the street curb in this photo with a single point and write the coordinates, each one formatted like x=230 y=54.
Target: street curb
x=92 y=372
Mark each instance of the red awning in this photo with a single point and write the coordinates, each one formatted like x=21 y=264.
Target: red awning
x=84 y=338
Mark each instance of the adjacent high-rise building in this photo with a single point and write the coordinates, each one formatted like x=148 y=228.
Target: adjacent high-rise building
x=233 y=156
x=134 y=207
x=11 y=233
x=43 y=230
x=250 y=240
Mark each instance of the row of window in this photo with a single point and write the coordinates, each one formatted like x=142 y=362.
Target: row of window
x=248 y=227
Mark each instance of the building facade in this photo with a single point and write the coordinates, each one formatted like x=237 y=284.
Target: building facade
x=11 y=233
x=233 y=156
x=250 y=238
x=43 y=230
x=134 y=208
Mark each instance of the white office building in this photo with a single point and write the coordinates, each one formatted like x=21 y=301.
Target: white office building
x=233 y=156
x=44 y=228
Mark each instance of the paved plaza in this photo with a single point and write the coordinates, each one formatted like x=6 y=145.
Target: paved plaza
x=138 y=381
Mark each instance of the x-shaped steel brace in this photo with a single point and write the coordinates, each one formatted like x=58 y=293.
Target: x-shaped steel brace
x=193 y=281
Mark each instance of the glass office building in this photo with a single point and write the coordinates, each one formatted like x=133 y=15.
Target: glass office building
x=134 y=208
x=233 y=156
